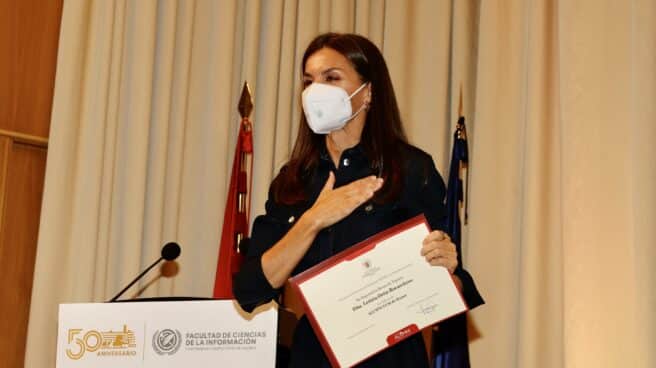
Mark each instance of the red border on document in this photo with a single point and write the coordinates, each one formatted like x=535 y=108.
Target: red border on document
x=349 y=254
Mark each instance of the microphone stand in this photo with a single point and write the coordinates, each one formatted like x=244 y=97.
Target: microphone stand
x=135 y=280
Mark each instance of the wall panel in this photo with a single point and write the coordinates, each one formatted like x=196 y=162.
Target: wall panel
x=25 y=169
x=29 y=34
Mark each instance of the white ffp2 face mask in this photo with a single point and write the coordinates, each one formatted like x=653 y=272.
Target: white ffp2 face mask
x=328 y=108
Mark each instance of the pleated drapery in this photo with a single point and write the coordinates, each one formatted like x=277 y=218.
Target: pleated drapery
x=558 y=97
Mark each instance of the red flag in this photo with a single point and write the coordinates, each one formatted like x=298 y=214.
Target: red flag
x=236 y=214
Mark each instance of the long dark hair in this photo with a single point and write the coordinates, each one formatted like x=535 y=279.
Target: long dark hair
x=383 y=136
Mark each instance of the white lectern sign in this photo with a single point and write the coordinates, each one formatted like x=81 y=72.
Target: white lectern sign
x=213 y=333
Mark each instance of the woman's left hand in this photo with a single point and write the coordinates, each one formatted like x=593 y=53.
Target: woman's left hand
x=439 y=250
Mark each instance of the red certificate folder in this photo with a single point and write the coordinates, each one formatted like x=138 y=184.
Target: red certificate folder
x=360 y=253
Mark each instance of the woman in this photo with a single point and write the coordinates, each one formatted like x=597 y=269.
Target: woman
x=351 y=175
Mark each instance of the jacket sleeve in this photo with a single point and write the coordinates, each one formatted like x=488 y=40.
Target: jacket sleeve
x=250 y=287
x=433 y=193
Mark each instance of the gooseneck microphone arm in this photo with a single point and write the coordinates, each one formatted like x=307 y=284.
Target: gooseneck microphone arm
x=136 y=279
x=170 y=251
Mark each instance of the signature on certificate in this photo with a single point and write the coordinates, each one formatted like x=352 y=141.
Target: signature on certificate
x=426 y=308
x=426 y=305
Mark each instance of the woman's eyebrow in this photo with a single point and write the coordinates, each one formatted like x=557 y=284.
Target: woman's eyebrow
x=332 y=69
x=306 y=74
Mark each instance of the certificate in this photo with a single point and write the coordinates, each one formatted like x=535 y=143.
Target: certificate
x=376 y=293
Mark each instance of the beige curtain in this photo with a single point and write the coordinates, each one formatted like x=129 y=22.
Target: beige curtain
x=558 y=97
x=563 y=187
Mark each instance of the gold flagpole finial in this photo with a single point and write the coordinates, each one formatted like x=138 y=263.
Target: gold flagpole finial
x=460 y=103
x=245 y=102
x=460 y=127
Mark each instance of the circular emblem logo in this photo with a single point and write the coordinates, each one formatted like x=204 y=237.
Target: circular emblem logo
x=167 y=341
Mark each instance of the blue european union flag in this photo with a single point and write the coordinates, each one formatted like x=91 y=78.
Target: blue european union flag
x=450 y=341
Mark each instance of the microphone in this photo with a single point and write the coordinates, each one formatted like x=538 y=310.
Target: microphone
x=170 y=251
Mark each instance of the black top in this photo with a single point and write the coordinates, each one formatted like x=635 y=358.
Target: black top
x=423 y=192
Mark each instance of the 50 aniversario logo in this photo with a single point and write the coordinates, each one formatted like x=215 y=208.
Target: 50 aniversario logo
x=102 y=343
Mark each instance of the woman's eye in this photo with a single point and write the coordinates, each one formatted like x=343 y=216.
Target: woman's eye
x=332 y=78
x=306 y=83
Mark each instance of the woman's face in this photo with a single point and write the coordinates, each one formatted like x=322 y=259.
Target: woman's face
x=330 y=67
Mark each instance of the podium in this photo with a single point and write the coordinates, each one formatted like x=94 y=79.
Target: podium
x=190 y=333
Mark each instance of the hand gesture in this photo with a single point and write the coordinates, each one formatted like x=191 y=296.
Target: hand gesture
x=333 y=205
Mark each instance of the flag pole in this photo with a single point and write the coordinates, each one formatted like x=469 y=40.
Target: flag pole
x=464 y=164
x=234 y=235
x=450 y=339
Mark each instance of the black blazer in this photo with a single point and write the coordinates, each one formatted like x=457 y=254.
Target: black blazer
x=423 y=192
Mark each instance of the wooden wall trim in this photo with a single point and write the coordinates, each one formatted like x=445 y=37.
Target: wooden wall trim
x=5 y=147
x=25 y=138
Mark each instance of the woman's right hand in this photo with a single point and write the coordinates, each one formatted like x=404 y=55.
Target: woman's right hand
x=332 y=205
